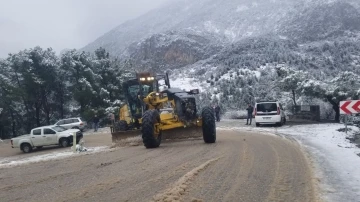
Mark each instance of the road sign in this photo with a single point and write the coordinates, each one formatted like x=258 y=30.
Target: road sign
x=350 y=107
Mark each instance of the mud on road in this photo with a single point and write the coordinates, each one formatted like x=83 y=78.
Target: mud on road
x=241 y=166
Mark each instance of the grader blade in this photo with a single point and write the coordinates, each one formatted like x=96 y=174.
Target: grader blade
x=119 y=136
x=182 y=133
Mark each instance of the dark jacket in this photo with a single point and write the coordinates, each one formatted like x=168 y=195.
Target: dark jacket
x=96 y=120
x=217 y=109
x=250 y=110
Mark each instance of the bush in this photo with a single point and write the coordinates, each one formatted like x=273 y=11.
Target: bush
x=236 y=115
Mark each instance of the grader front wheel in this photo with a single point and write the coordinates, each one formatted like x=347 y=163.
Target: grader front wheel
x=149 y=134
x=209 y=125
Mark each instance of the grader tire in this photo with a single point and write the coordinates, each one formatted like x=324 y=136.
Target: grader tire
x=209 y=125
x=149 y=119
x=122 y=126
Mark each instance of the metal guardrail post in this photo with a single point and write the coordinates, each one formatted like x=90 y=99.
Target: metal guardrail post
x=74 y=142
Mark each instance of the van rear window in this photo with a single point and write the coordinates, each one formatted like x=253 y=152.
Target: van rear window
x=266 y=107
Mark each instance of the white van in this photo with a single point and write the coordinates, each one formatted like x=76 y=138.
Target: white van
x=269 y=113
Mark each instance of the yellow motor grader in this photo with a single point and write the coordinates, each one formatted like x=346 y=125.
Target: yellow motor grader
x=157 y=114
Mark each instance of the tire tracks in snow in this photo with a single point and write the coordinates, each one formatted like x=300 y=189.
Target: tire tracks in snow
x=179 y=188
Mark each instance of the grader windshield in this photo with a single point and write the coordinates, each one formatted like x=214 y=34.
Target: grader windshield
x=135 y=91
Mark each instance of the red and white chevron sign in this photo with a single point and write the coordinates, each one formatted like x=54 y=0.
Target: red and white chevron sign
x=350 y=107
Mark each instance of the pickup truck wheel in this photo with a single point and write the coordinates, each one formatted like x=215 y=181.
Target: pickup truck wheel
x=26 y=148
x=64 y=142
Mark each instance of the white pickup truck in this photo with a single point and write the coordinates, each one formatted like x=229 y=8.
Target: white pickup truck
x=46 y=136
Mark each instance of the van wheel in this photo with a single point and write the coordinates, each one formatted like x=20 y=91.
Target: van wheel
x=26 y=148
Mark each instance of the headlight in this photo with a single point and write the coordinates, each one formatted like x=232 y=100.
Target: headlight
x=142 y=79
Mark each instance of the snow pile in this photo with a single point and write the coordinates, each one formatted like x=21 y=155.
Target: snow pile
x=8 y=162
x=80 y=147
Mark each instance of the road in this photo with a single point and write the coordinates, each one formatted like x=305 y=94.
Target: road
x=241 y=166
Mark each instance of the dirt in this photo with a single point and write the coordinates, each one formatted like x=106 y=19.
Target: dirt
x=241 y=166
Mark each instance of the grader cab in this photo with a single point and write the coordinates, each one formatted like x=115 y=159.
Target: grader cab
x=155 y=114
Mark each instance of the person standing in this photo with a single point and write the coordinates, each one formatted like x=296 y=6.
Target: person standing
x=249 y=110
x=112 y=118
x=217 y=112
x=96 y=123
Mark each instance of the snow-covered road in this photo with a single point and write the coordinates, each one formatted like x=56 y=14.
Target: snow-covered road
x=336 y=160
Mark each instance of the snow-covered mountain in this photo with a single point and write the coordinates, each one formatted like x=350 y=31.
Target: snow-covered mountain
x=233 y=49
x=228 y=19
x=183 y=32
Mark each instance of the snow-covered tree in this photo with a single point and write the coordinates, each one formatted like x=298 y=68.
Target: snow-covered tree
x=290 y=81
x=80 y=77
x=344 y=86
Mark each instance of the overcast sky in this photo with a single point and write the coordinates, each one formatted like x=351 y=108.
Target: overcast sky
x=63 y=24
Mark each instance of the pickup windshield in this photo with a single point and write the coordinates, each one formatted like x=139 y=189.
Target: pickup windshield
x=58 y=128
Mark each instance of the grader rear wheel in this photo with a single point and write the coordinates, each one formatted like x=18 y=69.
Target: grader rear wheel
x=209 y=125
x=149 y=136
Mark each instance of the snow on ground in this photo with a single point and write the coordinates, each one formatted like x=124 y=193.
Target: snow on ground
x=105 y=130
x=15 y=161
x=242 y=8
x=186 y=83
x=336 y=159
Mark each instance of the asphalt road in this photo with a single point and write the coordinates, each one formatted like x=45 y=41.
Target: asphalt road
x=241 y=166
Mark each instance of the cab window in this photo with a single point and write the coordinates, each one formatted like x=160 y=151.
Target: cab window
x=48 y=131
x=37 y=132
